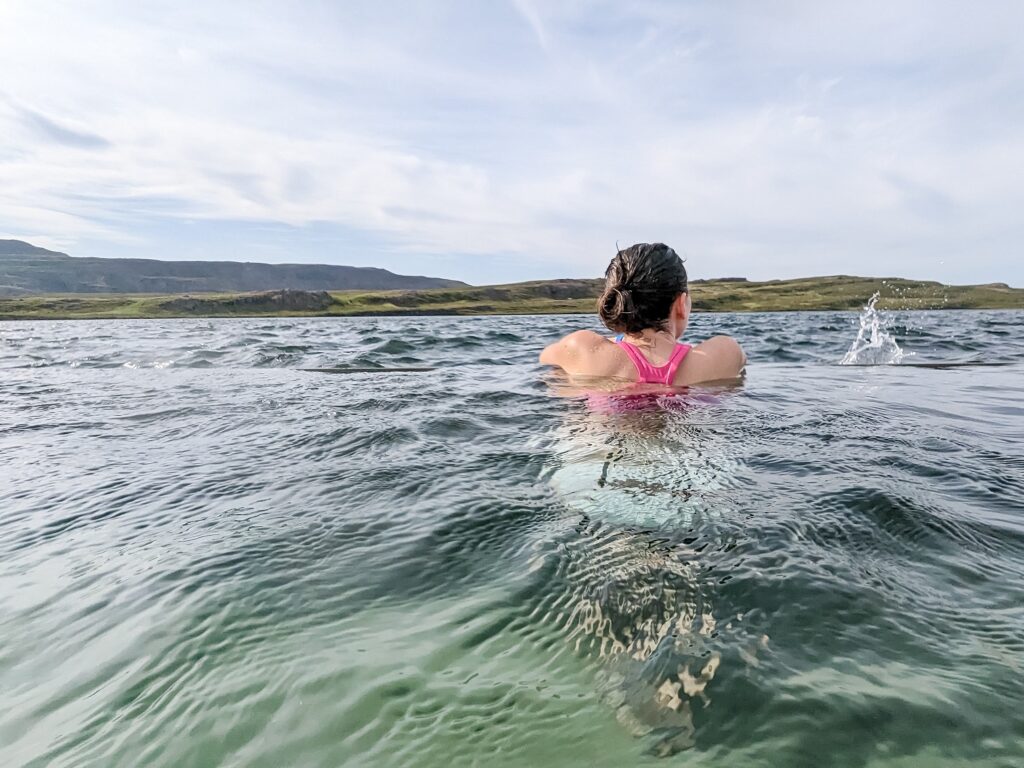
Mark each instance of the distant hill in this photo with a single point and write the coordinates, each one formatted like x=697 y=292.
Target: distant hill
x=540 y=297
x=26 y=269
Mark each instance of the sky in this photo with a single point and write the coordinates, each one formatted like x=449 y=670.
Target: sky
x=520 y=139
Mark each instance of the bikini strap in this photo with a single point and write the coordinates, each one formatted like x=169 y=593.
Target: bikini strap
x=650 y=374
x=678 y=355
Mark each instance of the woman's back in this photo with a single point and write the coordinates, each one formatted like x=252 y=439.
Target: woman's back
x=648 y=373
x=591 y=355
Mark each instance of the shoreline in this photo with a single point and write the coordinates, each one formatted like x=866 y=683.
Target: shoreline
x=454 y=313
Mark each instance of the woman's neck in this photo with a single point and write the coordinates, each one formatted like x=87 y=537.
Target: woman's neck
x=652 y=336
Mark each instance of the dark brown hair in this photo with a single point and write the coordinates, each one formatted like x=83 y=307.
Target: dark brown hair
x=640 y=285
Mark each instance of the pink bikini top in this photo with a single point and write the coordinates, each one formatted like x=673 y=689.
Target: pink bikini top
x=649 y=374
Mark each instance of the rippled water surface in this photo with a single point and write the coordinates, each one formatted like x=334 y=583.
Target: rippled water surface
x=212 y=557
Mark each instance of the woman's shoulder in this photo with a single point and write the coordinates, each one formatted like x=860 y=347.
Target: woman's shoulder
x=570 y=351
x=585 y=340
x=717 y=358
x=725 y=346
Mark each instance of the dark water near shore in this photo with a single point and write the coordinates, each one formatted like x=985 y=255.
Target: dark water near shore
x=209 y=557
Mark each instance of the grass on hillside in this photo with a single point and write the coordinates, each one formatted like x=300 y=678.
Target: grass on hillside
x=542 y=297
x=814 y=293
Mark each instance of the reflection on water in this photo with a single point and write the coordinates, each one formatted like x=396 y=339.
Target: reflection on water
x=211 y=557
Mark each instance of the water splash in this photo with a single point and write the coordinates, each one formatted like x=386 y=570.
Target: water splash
x=874 y=344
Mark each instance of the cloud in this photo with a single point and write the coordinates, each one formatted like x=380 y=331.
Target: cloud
x=530 y=15
x=52 y=131
x=498 y=143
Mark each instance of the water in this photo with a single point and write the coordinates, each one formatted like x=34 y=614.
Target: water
x=211 y=558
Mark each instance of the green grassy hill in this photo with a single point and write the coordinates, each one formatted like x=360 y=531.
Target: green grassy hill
x=541 y=297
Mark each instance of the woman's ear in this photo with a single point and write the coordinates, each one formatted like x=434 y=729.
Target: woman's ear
x=683 y=306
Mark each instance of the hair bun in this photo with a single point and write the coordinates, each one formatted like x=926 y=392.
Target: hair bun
x=641 y=283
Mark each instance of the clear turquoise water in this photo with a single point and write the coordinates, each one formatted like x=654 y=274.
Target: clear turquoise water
x=210 y=557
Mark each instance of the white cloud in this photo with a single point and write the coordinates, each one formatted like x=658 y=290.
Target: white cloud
x=768 y=141
x=532 y=17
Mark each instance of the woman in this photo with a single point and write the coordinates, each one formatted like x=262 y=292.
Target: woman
x=645 y=301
